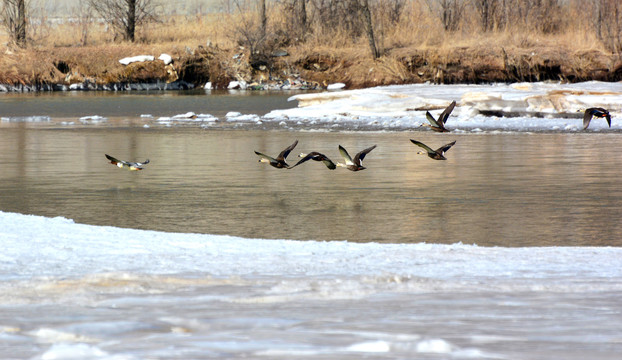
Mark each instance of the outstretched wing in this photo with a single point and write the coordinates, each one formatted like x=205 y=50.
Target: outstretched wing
x=608 y=117
x=445 y=147
x=361 y=155
x=283 y=155
x=329 y=163
x=317 y=157
x=442 y=118
x=345 y=155
x=139 y=165
x=264 y=156
x=431 y=119
x=422 y=145
x=116 y=161
x=307 y=157
x=587 y=116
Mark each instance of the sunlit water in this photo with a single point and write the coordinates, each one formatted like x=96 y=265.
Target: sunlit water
x=495 y=189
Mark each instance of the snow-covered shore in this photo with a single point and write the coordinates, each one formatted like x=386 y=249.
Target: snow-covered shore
x=78 y=291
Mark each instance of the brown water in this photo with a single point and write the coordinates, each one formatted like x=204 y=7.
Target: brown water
x=494 y=189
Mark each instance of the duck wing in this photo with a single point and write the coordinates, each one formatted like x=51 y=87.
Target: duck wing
x=329 y=163
x=307 y=157
x=283 y=155
x=345 y=155
x=358 y=158
x=138 y=164
x=431 y=119
x=445 y=147
x=269 y=158
x=587 y=117
x=442 y=118
x=116 y=161
x=424 y=146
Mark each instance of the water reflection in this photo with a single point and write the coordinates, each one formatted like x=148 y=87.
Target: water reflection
x=495 y=189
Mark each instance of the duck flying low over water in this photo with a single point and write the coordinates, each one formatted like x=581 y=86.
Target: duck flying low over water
x=438 y=125
x=279 y=161
x=356 y=163
x=317 y=157
x=597 y=112
x=438 y=154
x=133 y=166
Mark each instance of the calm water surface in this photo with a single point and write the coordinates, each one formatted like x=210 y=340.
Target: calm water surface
x=495 y=189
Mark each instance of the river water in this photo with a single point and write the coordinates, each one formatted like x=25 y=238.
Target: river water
x=512 y=189
x=406 y=283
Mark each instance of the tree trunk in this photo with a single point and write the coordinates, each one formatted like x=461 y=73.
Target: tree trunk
x=303 y=17
x=369 y=28
x=20 y=33
x=264 y=18
x=130 y=30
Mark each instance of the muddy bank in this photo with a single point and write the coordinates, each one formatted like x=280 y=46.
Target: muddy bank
x=99 y=68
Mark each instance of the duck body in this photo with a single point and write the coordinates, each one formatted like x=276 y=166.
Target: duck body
x=438 y=154
x=354 y=164
x=595 y=112
x=279 y=161
x=132 y=166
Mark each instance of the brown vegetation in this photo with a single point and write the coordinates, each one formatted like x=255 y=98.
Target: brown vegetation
x=442 y=41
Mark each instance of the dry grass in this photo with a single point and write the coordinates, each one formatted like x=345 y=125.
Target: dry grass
x=414 y=49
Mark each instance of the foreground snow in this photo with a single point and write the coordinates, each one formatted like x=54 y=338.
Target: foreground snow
x=59 y=247
x=72 y=291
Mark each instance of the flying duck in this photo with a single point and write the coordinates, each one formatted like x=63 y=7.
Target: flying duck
x=595 y=111
x=439 y=125
x=438 y=154
x=279 y=162
x=317 y=157
x=356 y=163
x=133 y=166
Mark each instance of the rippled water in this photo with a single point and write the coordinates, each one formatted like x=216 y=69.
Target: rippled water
x=494 y=189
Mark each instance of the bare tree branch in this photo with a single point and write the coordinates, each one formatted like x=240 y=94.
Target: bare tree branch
x=14 y=20
x=125 y=15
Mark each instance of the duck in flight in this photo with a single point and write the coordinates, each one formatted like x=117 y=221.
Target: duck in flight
x=317 y=157
x=133 y=166
x=597 y=112
x=439 y=125
x=279 y=161
x=356 y=163
x=438 y=154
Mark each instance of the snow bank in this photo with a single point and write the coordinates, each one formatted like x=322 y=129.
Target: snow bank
x=35 y=246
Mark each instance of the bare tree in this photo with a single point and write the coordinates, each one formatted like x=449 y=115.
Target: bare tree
x=489 y=11
x=303 y=15
x=83 y=14
x=609 y=24
x=449 y=12
x=251 y=30
x=369 y=28
x=263 y=17
x=14 y=20
x=125 y=15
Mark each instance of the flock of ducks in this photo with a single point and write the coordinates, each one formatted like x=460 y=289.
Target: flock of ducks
x=356 y=163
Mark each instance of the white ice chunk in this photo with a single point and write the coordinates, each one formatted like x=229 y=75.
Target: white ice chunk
x=166 y=58
x=335 y=86
x=139 y=58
